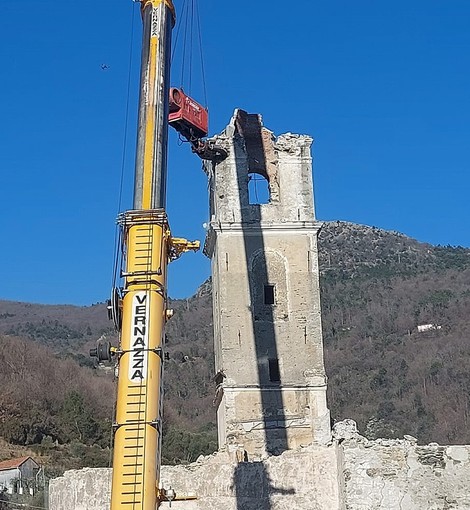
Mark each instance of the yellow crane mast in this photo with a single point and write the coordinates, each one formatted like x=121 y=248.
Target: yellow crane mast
x=140 y=309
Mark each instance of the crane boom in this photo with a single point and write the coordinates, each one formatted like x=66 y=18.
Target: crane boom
x=141 y=308
x=158 y=18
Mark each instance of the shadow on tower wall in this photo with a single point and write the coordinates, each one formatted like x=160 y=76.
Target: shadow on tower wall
x=252 y=483
x=254 y=487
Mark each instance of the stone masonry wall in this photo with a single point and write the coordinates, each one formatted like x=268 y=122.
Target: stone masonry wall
x=305 y=479
x=398 y=474
x=352 y=473
x=268 y=351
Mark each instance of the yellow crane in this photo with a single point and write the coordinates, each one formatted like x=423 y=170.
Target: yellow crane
x=139 y=308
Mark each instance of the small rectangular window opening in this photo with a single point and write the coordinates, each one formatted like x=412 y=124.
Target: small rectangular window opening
x=274 y=372
x=269 y=294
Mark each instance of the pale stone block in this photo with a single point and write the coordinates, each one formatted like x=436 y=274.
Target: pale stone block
x=458 y=453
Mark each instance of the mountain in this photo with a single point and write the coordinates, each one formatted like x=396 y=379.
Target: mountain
x=377 y=287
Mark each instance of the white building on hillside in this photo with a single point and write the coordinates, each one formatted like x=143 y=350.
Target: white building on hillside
x=14 y=473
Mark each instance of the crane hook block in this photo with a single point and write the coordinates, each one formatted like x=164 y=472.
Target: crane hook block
x=187 y=116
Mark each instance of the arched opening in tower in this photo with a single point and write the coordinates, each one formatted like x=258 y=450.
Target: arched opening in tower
x=258 y=189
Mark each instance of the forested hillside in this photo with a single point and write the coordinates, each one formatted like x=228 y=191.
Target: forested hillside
x=59 y=403
x=377 y=288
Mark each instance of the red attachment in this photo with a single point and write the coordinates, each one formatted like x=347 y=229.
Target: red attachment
x=187 y=116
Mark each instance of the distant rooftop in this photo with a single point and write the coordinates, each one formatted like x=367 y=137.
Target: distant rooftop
x=14 y=463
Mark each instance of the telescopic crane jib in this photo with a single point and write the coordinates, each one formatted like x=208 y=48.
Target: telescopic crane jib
x=139 y=308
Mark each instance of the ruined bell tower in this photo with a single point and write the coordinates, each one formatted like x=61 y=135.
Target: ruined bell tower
x=262 y=240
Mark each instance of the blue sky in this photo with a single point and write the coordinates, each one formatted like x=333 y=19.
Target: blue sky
x=383 y=87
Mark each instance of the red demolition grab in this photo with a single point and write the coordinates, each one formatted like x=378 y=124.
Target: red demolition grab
x=187 y=116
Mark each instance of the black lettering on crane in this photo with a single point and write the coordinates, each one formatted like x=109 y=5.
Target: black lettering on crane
x=141 y=299
x=137 y=375
x=139 y=331
x=138 y=353
x=138 y=363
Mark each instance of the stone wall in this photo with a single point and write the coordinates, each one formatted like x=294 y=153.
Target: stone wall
x=84 y=489
x=398 y=474
x=352 y=473
x=306 y=479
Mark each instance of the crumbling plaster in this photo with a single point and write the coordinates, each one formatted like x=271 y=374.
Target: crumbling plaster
x=399 y=474
x=284 y=160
